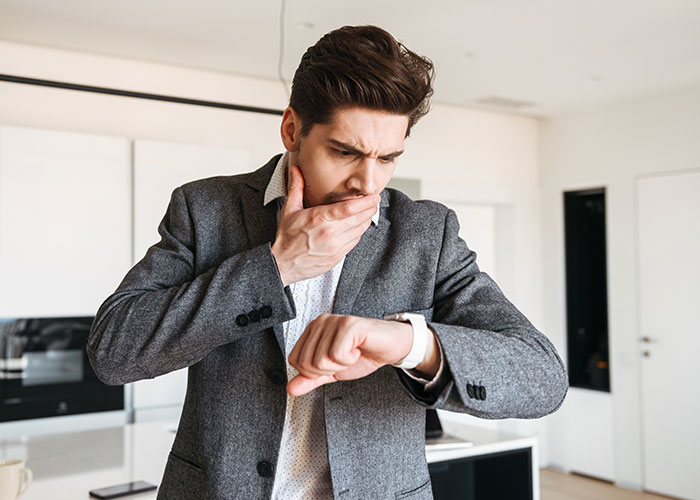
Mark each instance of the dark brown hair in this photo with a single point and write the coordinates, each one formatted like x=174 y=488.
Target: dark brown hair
x=360 y=66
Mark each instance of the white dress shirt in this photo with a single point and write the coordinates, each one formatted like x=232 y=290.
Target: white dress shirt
x=302 y=469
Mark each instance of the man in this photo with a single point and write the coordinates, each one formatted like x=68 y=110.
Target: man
x=311 y=260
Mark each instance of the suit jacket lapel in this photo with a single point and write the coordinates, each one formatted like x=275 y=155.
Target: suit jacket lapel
x=261 y=221
x=358 y=261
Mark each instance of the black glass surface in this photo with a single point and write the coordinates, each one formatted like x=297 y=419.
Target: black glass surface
x=44 y=370
x=586 y=290
x=497 y=476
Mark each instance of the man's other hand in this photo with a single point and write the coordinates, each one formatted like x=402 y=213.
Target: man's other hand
x=311 y=241
x=335 y=347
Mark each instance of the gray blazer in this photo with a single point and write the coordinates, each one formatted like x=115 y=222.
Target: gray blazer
x=208 y=296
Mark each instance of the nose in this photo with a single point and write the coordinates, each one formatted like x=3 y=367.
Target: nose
x=363 y=178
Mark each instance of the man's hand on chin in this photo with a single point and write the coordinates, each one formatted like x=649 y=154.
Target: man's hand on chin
x=310 y=241
x=335 y=347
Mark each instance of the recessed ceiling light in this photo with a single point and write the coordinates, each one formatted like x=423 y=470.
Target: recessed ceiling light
x=307 y=25
x=595 y=78
x=467 y=54
x=504 y=102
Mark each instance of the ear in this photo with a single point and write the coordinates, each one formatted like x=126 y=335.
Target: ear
x=290 y=130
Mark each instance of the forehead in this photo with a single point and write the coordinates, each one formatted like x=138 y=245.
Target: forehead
x=366 y=129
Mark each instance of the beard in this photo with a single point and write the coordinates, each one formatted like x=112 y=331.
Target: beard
x=336 y=196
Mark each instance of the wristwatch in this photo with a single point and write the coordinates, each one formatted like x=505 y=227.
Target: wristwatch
x=420 y=338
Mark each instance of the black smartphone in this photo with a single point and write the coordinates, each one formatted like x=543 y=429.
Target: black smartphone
x=123 y=490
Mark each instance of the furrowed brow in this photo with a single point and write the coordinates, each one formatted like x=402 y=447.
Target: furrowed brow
x=355 y=151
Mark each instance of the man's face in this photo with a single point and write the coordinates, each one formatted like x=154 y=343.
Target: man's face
x=353 y=155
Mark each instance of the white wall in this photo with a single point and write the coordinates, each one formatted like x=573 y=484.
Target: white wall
x=459 y=155
x=609 y=146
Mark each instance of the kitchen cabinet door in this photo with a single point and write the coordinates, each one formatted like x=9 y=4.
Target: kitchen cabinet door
x=65 y=221
x=158 y=169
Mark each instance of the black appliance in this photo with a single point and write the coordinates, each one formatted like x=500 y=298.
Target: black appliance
x=45 y=372
x=505 y=475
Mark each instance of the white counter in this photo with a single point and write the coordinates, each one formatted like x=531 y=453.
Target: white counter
x=67 y=466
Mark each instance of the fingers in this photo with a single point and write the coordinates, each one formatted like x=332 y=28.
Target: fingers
x=351 y=228
x=307 y=351
x=321 y=351
x=348 y=208
x=331 y=349
x=328 y=355
x=295 y=193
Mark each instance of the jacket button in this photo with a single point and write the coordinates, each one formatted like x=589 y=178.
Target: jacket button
x=470 y=390
x=242 y=320
x=265 y=468
x=482 y=392
x=254 y=316
x=265 y=312
x=276 y=377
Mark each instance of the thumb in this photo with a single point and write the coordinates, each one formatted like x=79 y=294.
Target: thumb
x=295 y=193
x=301 y=385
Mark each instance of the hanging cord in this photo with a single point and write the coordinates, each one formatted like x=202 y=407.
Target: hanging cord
x=280 y=59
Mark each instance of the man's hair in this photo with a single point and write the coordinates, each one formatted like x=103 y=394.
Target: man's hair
x=360 y=66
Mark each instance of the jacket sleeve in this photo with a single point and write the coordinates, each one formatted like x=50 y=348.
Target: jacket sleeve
x=498 y=364
x=162 y=317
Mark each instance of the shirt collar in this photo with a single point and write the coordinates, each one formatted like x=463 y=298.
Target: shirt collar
x=277 y=187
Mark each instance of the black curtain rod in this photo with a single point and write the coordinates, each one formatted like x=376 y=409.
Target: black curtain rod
x=138 y=95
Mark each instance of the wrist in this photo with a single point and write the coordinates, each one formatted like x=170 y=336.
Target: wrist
x=431 y=362
x=281 y=267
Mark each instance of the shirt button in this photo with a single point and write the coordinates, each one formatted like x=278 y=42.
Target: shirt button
x=265 y=312
x=265 y=468
x=254 y=316
x=242 y=320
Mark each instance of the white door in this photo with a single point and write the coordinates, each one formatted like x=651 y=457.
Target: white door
x=159 y=168
x=669 y=280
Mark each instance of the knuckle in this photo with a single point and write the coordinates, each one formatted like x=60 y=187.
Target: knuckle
x=335 y=355
x=325 y=365
x=317 y=217
x=338 y=355
x=347 y=322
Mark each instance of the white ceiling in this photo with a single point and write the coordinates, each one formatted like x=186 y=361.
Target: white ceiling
x=559 y=55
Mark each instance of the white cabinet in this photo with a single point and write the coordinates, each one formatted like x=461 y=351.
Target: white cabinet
x=158 y=169
x=65 y=221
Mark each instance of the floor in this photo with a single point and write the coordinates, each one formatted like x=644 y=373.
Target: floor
x=557 y=485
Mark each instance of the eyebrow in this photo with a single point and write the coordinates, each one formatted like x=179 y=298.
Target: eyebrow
x=355 y=151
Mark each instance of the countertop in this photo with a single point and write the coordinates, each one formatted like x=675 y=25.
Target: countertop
x=67 y=466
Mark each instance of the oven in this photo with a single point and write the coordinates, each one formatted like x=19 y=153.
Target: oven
x=45 y=372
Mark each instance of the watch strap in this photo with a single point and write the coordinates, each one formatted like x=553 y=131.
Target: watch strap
x=420 y=339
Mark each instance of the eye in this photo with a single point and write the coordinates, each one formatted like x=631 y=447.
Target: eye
x=344 y=154
x=388 y=161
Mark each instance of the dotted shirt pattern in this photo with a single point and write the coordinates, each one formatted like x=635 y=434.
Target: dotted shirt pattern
x=303 y=458
x=302 y=470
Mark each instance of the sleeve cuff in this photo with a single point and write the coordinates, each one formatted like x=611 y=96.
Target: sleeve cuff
x=432 y=383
